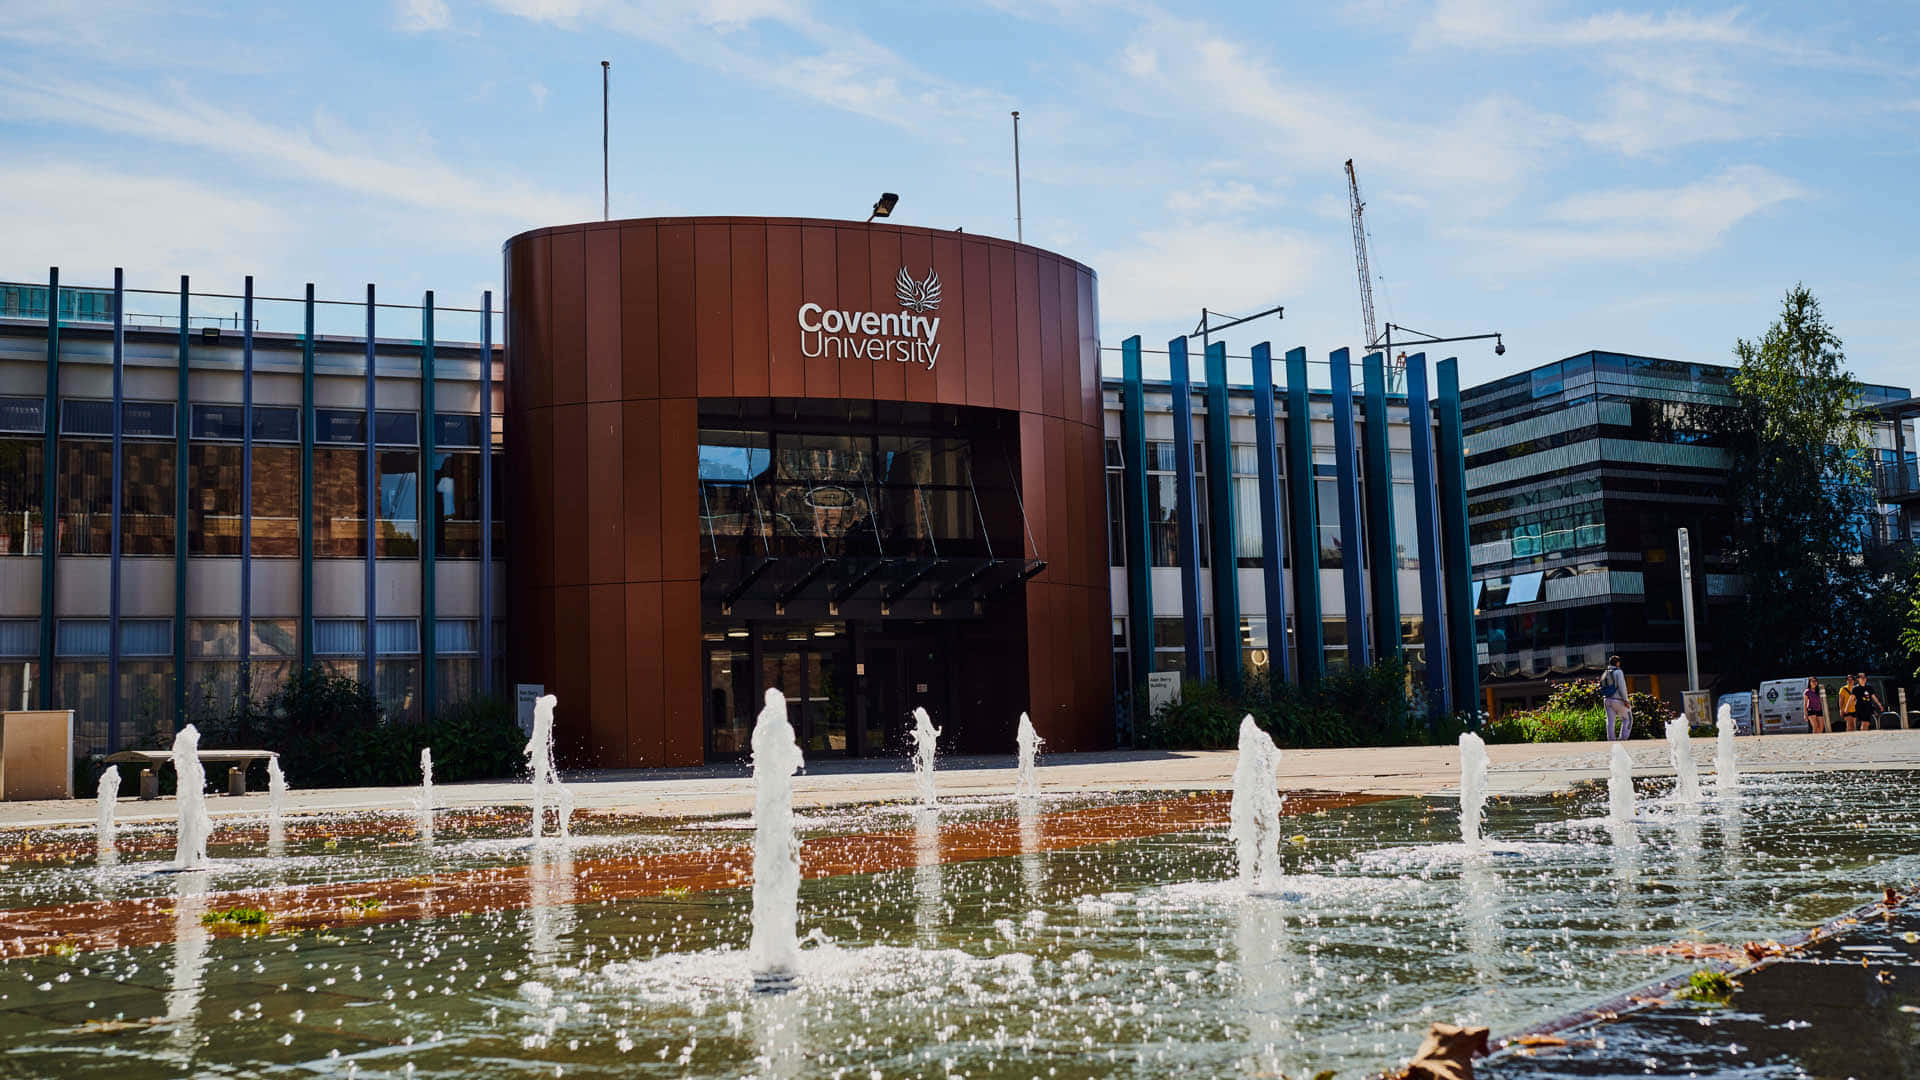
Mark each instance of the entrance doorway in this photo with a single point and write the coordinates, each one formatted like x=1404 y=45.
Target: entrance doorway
x=810 y=663
x=906 y=668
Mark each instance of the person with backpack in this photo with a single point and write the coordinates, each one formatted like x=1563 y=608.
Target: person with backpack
x=1613 y=693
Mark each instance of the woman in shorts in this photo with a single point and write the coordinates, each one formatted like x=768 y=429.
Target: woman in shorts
x=1816 y=707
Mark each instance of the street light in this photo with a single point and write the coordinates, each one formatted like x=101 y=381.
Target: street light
x=884 y=208
x=1421 y=337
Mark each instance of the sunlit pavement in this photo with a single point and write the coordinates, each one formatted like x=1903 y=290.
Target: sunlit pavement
x=1538 y=768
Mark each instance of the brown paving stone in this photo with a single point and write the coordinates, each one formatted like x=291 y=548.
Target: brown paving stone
x=111 y=924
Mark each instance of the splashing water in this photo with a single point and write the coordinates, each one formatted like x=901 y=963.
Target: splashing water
x=774 y=950
x=546 y=780
x=1680 y=747
x=426 y=793
x=1473 y=788
x=1620 y=787
x=108 y=794
x=276 y=808
x=1029 y=741
x=925 y=738
x=1255 y=816
x=195 y=824
x=1726 y=770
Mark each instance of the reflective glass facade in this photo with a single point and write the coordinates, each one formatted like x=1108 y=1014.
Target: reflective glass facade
x=226 y=587
x=1580 y=474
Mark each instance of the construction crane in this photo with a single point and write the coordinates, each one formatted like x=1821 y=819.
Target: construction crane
x=1382 y=338
x=1357 y=208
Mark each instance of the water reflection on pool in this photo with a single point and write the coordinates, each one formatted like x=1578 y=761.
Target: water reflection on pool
x=1059 y=938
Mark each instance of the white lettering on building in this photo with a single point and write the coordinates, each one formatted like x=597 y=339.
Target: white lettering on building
x=904 y=337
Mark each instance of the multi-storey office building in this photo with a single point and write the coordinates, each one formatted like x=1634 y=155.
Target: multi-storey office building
x=1579 y=474
x=1306 y=463
x=874 y=467
x=286 y=497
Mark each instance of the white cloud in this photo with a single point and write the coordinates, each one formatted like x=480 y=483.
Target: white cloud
x=539 y=92
x=326 y=152
x=1226 y=199
x=1170 y=274
x=1480 y=154
x=88 y=219
x=421 y=16
x=1638 y=223
x=831 y=63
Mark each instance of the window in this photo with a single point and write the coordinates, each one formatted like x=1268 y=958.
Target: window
x=339 y=503
x=81 y=417
x=339 y=637
x=1116 y=505
x=456 y=506
x=275 y=424
x=456 y=646
x=276 y=501
x=339 y=426
x=146 y=637
x=227 y=422
x=1249 y=541
x=396 y=671
x=455 y=430
x=21 y=487
x=398 y=476
x=396 y=428
x=1170 y=643
x=1327 y=497
x=23 y=416
x=19 y=655
x=1256 y=655
x=213 y=505
x=146 y=496
x=146 y=419
x=85 y=496
x=1163 y=506
x=81 y=638
x=1334 y=631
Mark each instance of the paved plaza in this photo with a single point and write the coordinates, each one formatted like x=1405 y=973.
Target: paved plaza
x=1517 y=769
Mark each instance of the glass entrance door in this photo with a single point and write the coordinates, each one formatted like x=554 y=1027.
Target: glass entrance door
x=812 y=665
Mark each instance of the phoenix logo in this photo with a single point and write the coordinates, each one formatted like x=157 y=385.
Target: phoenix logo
x=917 y=296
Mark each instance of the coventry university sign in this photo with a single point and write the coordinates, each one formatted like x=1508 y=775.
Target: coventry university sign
x=907 y=336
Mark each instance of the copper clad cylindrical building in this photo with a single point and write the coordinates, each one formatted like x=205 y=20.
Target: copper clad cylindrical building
x=862 y=463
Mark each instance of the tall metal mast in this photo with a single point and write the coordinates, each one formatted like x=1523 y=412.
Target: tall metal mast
x=1356 y=207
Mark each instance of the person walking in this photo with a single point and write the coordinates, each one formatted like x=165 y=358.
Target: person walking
x=1866 y=705
x=1846 y=704
x=1816 y=707
x=1613 y=692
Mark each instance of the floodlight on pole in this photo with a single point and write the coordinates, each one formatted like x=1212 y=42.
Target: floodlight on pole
x=884 y=208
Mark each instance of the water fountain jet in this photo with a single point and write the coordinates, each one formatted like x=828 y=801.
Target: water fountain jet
x=1473 y=789
x=191 y=799
x=1254 y=818
x=426 y=794
x=276 y=808
x=925 y=739
x=1680 y=748
x=546 y=778
x=1029 y=742
x=1620 y=787
x=773 y=952
x=108 y=795
x=1726 y=769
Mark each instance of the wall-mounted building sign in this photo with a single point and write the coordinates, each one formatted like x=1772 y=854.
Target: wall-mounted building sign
x=908 y=336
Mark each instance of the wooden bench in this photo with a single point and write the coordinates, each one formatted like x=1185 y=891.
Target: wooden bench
x=236 y=777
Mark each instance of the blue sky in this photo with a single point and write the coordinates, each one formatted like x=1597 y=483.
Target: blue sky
x=1642 y=179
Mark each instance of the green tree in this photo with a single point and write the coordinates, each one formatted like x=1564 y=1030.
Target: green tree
x=1910 y=628
x=1800 y=491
